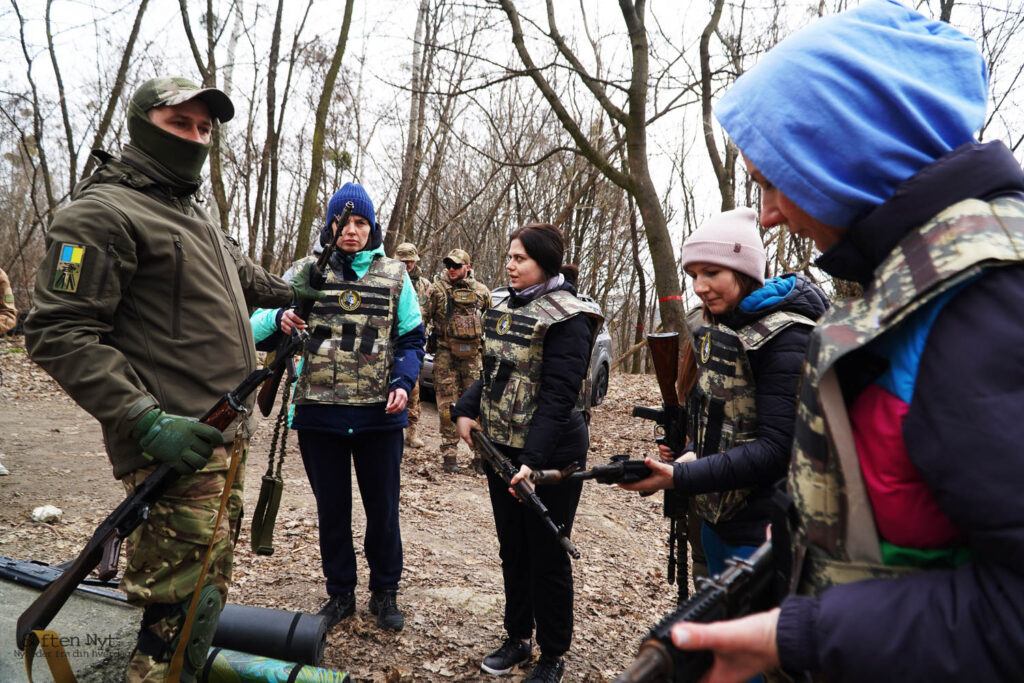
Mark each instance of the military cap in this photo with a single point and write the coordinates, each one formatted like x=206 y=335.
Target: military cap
x=169 y=91
x=457 y=257
x=406 y=251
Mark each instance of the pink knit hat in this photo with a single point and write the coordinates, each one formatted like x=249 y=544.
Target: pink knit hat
x=730 y=239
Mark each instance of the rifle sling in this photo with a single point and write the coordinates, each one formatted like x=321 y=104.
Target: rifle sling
x=174 y=671
x=54 y=654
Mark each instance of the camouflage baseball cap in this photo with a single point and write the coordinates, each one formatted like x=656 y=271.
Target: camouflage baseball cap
x=458 y=257
x=169 y=91
x=406 y=251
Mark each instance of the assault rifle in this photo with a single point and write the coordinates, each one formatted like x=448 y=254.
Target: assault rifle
x=744 y=587
x=671 y=425
x=621 y=470
x=317 y=277
x=504 y=468
x=134 y=510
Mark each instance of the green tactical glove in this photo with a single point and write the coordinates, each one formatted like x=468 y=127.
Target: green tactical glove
x=301 y=289
x=184 y=442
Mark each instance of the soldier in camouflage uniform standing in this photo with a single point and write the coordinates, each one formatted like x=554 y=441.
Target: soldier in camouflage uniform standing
x=140 y=315
x=455 y=305
x=407 y=254
x=907 y=551
x=8 y=313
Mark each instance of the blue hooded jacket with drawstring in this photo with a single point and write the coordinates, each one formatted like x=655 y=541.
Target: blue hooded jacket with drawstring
x=866 y=121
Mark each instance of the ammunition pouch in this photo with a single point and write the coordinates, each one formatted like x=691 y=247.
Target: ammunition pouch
x=463 y=328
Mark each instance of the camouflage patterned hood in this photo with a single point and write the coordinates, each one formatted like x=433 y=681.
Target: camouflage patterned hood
x=972 y=171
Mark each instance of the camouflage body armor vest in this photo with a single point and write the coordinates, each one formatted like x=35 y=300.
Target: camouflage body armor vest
x=462 y=326
x=513 y=359
x=348 y=360
x=836 y=540
x=722 y=406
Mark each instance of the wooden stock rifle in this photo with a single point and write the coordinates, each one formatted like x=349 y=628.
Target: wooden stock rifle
x=317 y=277
x=134 y=510
x=671 y=429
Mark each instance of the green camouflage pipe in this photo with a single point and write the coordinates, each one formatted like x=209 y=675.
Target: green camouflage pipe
x=229 y=666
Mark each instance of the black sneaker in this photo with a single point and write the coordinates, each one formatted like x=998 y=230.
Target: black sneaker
x=548 y=670
x=382 y=603
x=513 y=651
x=337 y=608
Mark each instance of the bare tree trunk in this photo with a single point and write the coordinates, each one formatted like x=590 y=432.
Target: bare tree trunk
x=641 y=311
x=316 y=167
x=62 y=99
x=115 y=94
x=269 y=143
x=636 y=179
x=208 y=70
x=35 y=147
x=723 y=172
x=398 y=217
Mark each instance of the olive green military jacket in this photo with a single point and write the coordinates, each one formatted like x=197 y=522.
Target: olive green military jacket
x=143 y=301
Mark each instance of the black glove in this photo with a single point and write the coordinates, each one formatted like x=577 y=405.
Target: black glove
x=184 y=442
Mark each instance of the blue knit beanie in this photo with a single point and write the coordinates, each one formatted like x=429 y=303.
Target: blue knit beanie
x=840 y=113
x=362 y=205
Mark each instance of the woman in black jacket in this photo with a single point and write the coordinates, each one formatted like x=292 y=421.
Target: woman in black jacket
x=749 y=353
x=531 y=402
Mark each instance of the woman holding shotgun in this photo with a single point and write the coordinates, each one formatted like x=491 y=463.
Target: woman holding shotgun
x=531 y=402
x=362 y=359
x=748 y=355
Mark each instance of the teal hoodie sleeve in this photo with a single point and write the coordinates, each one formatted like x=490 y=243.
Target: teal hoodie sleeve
x=264 y=323
x=409 y=316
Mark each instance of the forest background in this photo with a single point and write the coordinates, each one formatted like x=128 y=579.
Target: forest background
x=464 y=119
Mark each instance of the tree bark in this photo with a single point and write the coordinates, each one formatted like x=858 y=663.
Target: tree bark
x=317 y=152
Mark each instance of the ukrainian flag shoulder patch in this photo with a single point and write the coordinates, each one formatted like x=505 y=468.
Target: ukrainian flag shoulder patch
x=69 y=268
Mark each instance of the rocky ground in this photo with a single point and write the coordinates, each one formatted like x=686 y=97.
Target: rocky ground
x=451 y=590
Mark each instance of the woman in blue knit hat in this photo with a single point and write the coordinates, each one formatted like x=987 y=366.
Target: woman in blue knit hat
x=362 y=360
x=908 y=523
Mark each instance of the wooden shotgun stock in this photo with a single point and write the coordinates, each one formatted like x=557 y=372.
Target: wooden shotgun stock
x=317 y=277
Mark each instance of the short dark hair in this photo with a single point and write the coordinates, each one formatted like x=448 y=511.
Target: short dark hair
x=544 y=243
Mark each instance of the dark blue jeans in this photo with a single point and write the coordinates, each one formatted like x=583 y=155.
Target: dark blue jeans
x=377 y=456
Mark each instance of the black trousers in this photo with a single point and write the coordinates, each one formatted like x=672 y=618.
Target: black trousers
x=377 y=456
x=537 y=571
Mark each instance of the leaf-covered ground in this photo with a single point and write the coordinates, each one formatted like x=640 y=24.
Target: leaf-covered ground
x=451 y=590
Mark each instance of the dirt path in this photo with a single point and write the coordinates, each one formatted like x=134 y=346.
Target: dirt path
x=451 y=590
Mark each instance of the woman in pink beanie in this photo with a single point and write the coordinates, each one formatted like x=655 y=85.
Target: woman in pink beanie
x=742 y=408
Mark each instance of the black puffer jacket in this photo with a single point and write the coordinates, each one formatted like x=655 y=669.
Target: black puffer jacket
x=558 y=433
x=763 y=461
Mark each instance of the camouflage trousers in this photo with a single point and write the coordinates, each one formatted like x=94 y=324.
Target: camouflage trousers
x=413 y=406
x=165 y=554
x=452 y=376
